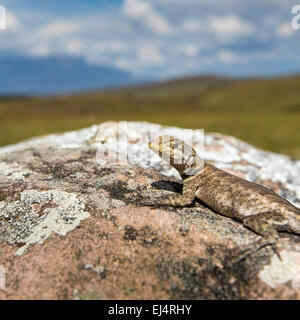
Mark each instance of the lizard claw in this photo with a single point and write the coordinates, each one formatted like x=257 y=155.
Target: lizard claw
x=251 y=249
x=148 y=203
x=274 y=247
x=246 y=252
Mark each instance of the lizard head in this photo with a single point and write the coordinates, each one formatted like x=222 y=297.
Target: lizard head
x=178 y=154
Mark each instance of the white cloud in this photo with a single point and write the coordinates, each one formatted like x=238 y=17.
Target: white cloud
x=192 y=25
x=230 y=26
x=110 y=47
x=60 y=28
x=149 y=54
x=124 y=63
x=137 y=8
x=40 y=50
x=226 y=56
x=74 y=46
x=190 y=50
x=143 y=55
x=143 y=12
x=156 y=36
x=13 y=22
x=284 y=30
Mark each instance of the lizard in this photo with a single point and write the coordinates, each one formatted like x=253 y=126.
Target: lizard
x=257 y=207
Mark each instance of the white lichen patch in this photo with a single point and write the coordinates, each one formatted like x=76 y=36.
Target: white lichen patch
x=72 y=139
x=105 y=203
x=38 y=214
x=34 y=196
x=16 y=221
x=13 y=172
x=280 y=272
x=225 y=154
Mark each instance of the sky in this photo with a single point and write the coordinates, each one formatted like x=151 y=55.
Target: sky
x=159 y=38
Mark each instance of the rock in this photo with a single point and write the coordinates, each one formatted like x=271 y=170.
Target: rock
x=72 y=226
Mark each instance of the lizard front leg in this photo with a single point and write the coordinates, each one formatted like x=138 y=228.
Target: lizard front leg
x=176 y=200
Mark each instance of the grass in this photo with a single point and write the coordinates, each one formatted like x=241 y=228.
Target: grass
x=263 y=112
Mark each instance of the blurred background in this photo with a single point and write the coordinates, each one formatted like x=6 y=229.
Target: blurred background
x=226 y=66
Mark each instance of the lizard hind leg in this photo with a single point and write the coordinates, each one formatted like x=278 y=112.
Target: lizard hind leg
x=266 y=225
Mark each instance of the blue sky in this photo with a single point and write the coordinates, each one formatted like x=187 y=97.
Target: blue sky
x=159 y=38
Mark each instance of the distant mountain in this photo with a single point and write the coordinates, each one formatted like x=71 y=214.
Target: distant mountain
x=56 y=75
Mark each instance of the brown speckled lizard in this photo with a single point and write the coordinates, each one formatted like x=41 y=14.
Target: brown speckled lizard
x=257 y=207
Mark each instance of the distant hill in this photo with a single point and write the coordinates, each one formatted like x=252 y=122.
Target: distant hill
x=56 y=75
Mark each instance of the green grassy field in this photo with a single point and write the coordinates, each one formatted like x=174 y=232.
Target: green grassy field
x=263 y=112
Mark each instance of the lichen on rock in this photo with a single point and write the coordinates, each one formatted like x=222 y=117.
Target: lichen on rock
x=23 y=222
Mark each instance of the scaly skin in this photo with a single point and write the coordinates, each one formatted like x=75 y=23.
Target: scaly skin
x=257 y=207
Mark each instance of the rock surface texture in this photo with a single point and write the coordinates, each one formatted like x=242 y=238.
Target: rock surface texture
x=72 y=226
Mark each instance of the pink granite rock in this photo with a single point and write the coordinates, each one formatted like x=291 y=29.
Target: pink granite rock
x=72 y=227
